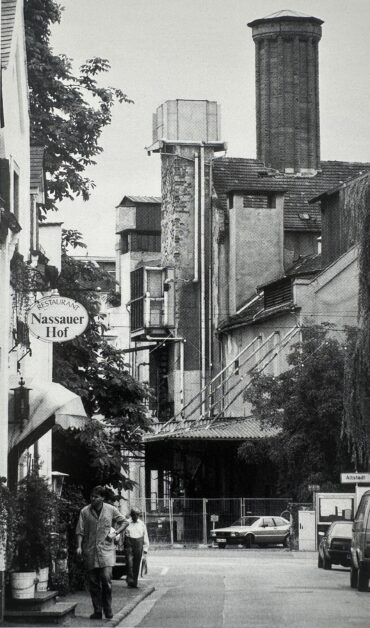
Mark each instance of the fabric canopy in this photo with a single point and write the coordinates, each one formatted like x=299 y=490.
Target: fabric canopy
x=50 y=404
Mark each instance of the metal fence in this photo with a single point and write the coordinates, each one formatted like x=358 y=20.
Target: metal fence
x=190 y=521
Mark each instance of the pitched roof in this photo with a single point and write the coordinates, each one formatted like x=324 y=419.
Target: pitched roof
x=254 y=309
x=240 y=428
x=247 y=314
x=8 y=11
x=36 y=165
x=151 y=200
x=230 y=173
x=305 y=265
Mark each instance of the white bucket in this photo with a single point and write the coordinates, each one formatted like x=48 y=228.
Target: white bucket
x=23 y=584
x=42 y=579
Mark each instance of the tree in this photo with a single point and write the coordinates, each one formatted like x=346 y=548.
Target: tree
x=68 y=109
x=357 y=371
x=306 y=404
x=98 y=373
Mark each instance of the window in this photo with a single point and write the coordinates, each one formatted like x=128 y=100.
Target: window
x=279 y=522
x=259 y=201
x=267 y=522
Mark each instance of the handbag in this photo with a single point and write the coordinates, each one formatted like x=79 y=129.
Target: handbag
x=144 y=565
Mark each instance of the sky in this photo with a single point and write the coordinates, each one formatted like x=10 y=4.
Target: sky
x=202 y=49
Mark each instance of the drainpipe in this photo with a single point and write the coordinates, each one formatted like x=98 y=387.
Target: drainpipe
x=182 y=372
x=202 y=278
x=196 y=217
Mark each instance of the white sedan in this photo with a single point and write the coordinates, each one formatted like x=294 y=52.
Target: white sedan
x=249 y=530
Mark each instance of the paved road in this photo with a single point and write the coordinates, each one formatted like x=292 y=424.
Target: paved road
x=265 y=588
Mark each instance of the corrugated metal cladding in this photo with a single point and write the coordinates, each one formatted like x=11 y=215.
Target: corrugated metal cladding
x=154 y=279
x=137 y=315
x=187 y=120
x=279 y=293
x=137 y=283
x=148 y=217
x=222 y=429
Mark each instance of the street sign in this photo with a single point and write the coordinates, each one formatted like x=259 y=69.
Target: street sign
x=314 y=488
x=57 y=319
x=214 y=518
x=355 y=478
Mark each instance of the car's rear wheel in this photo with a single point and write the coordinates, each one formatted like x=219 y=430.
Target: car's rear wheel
x=362 y=579
x=326 y=563
x=353 y=577
x=319 y=561
x=249 y=539
x=221 y=545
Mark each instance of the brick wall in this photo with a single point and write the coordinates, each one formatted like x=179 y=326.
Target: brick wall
x=287 y=94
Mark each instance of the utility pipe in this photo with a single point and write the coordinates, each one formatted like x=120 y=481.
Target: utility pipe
x=182 y=372
x=196 y=217
x=202 y=277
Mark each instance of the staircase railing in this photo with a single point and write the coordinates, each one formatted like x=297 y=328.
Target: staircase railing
x=217 y=391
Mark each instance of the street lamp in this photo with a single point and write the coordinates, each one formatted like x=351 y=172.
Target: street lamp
x=21 y=403
x=58 y=481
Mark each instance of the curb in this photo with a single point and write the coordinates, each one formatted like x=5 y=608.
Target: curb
x=129 y=608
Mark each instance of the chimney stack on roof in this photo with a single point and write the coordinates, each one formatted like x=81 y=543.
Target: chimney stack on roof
x=287 y=90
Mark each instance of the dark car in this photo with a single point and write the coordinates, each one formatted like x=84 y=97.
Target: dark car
x=335 y=546
x=360 y=548
x=119 y=568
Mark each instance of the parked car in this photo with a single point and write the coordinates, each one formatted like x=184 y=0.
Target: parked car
x=120 y=568
x=335 y=546
x=252 y=529
x=360 y=547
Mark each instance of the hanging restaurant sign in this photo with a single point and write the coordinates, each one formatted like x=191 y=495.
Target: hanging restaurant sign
x=57 y=319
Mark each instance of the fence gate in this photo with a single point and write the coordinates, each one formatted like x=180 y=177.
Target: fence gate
x=190 y=521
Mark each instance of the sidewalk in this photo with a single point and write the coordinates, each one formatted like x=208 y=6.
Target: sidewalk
x=124 y=601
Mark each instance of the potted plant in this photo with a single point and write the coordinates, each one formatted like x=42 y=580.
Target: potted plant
x=4 y=520
x=34 y=515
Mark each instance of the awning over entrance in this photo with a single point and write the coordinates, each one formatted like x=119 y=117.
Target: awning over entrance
x=50 y=404
x=223 y=429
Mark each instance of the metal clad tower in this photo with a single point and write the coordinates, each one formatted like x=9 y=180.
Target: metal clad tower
x=287 y=90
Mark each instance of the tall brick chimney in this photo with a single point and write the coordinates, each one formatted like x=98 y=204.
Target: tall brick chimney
x=287 y=90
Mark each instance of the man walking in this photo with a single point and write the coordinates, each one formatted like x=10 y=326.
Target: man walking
x=136 y=542
x=97 y=527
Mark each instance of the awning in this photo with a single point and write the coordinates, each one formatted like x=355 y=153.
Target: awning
x=50 y=404
x=223 y=429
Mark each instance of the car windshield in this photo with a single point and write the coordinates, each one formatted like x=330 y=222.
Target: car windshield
x=245 y=521
x=341 y=529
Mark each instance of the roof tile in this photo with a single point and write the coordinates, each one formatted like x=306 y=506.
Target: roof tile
x=231 y=173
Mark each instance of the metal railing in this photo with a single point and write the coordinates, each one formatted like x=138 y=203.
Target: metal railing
x=229 y=384
x=187 y=521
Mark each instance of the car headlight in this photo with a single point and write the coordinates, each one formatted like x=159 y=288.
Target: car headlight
x=213 y=533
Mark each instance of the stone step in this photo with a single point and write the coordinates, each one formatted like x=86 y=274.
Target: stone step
x=42 y=599
x=52 y=616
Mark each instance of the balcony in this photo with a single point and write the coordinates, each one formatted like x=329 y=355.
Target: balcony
x=152 y=302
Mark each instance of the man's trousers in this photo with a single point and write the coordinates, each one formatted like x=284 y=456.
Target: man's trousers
x=133 y=551
x=100 y=587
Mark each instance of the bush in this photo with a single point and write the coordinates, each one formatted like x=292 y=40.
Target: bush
x=33 y=521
